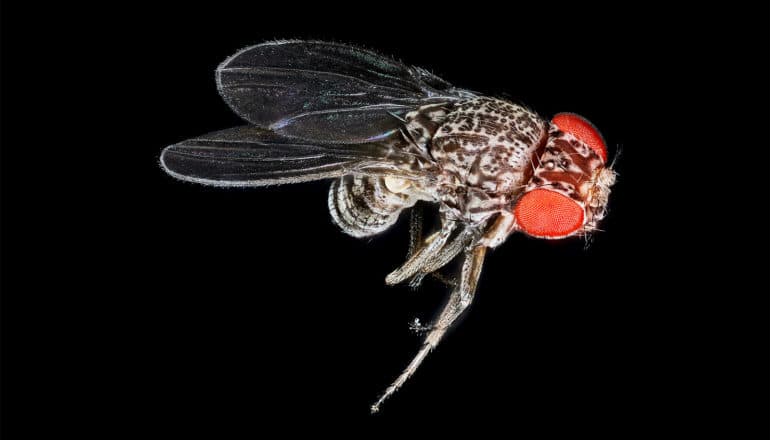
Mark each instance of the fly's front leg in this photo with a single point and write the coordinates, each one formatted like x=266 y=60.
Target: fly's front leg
x=450 y=251
x=416 y=261
x=442 y=258
x=459 y=300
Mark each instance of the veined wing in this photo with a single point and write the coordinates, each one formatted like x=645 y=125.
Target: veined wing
x=328 y=92
x=251 y=156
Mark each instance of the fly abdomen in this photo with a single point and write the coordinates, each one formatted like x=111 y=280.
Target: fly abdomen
x=362 y=206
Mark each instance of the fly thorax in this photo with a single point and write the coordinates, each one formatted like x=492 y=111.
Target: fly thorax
x=484 y=150
x=421 y=125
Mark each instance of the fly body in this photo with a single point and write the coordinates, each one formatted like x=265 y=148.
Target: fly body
x=388 y=136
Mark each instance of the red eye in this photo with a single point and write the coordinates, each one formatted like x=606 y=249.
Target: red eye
x=548 y=214
x=583 y=130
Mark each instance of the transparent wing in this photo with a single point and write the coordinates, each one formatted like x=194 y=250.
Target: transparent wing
x=327 y=92
x=251 y=156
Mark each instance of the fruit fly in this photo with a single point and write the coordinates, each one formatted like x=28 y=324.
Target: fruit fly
x=389 y=136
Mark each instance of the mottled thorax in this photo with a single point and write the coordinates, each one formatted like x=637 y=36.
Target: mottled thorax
x=485 y=151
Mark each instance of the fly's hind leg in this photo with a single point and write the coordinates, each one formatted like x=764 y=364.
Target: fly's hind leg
x=415 y=228
x=415 y=240
x=459 y=300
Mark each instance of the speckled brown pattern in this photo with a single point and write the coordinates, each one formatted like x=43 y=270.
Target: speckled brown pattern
x=484 y=150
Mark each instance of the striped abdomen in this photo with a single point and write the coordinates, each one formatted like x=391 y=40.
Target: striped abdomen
x=363 y=206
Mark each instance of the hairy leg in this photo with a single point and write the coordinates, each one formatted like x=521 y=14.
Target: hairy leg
x=447 y=253
x=450 y=251
x=424 y=254
x=415 y=228
x=459 y=300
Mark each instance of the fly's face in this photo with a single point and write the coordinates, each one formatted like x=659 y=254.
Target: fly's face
x=570 y=188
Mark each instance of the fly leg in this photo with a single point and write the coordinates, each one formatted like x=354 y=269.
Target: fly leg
x=425 y=253
x=415 y=239
x=415 y=229
x=459 y=300
x=448 y=253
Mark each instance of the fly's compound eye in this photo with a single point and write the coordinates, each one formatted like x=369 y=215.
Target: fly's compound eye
x=585 y=131
x=556 y=202
x=548 y=214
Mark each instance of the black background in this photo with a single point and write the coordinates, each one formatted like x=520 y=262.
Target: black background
x=136 y=303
